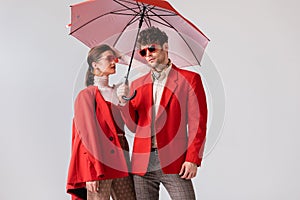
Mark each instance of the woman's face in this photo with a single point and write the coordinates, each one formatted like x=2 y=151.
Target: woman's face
x=106 y=63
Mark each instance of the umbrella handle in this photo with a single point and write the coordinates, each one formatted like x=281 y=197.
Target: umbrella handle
x=134 y=92
x=131 y=97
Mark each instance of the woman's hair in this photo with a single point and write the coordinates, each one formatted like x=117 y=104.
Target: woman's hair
x=93 y=55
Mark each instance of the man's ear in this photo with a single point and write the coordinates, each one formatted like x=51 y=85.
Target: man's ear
x=165 y=46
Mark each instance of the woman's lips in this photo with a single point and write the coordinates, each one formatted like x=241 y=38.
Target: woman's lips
x=113 y=66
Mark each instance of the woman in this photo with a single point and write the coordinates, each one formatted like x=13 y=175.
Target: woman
x=99 y=161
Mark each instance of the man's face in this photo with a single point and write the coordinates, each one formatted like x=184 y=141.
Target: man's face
x=154 y=54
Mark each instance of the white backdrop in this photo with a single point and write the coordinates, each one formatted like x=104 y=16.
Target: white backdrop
x=254 y=45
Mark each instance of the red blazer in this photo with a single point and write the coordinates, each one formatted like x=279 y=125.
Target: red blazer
x=96 y=151
x=180 y=123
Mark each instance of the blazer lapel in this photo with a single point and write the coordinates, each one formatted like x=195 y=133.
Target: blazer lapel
x=169 y=89
x=107 y=117
x=147 y=100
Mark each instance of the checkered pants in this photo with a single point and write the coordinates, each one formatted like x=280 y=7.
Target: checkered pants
x=147 y=186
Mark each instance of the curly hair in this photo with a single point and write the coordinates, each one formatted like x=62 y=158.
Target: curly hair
x=152 y=35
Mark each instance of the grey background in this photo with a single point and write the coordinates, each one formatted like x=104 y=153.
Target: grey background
x=254 y=45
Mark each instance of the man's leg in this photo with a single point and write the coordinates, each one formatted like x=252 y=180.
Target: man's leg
x=147 y=186
x=178 y=188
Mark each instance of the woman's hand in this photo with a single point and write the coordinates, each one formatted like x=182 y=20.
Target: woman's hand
x=92 y=186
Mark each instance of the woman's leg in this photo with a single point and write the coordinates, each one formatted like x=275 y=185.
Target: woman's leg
x=103 y=193
x=123 y=189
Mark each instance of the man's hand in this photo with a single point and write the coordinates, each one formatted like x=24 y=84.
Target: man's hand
x=188 y=170
x=122 y=90
x=92 y=186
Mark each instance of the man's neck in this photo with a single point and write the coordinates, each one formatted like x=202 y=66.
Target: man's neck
x=161 y=67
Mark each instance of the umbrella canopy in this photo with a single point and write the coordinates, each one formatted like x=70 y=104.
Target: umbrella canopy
x=117 y=23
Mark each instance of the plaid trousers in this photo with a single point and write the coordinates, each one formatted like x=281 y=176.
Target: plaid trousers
x=147 y=186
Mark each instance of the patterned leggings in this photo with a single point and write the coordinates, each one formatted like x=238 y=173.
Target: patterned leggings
x=118 y=189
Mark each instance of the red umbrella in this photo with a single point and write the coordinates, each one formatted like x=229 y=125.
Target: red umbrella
x=118 y=22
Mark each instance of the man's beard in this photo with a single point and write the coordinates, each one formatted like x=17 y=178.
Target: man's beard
x=158 y=64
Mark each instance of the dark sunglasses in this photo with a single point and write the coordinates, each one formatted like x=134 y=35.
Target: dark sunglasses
x=110 y=58
x=152 y=48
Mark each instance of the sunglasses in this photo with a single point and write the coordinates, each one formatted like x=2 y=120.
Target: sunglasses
x=152 y=48
x=110 y=58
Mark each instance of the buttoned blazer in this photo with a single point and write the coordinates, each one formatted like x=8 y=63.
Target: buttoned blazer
x=96 y=151
x=180 y=123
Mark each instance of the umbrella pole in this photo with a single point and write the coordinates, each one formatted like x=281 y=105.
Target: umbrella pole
x=131 y=59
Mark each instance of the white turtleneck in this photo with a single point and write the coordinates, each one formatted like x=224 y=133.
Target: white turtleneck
x=108 y=92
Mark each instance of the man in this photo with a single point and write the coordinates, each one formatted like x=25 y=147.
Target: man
x=168 y=116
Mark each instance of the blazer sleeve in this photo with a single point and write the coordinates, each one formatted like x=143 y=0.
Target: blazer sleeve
x=197 y=120
x=86 y=123
x=83 y=165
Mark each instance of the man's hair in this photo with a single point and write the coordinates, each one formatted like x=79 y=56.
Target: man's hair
x=152 y=35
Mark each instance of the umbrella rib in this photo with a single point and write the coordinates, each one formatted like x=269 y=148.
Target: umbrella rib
x=167 y=24
x=134 y=19
x=154 y=20
x=168 y=13
x=125 y=14
x=148 y=22
x=149 y=9
x=88 y=23
x=171 y=26
x=129 y=2
x=112 y=12
x=126 y=9
x=163 y=10
x=118 y=2
x=161 y=15
x=148 y=17
x=140 y=6
x=132 y=9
